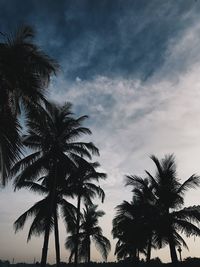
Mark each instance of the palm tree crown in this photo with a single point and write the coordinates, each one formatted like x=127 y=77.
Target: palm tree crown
x=25 y=71
x=52 y=135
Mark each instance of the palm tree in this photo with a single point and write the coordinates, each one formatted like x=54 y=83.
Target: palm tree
x=52 y=134
x=132 y=229
x=25 y=71
x=39 y=211
x=144 y=209
x=89 y=231
x=83 y=187
x=169 y=194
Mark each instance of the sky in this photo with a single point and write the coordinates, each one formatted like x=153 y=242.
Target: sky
x=133 y=66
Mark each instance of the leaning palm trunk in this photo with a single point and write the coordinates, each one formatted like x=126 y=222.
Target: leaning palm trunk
x=138 y=254
x=172 y=249
x=57 y=244
x=77 y=231
x=47 y=230
x=148 y=258
x=89 y=251
x=45 y=245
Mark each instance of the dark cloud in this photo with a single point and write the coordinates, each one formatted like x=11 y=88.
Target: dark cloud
x=107 y=37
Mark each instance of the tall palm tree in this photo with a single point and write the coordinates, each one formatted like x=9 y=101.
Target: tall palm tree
x=39 y=211
x=52 y=134
x=25 y=71
x=89 y=231
x=169 y=194
x=84 y=188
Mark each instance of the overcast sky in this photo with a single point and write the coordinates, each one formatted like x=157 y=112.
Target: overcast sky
x=133 y=66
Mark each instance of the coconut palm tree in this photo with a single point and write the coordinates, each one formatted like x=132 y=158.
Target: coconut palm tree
x=52 y=134
x=39 y=211
x=145 y=209
x=89 y=231
x=83 y=187
x=169 y=193
x=25 y=71
x=132 y=229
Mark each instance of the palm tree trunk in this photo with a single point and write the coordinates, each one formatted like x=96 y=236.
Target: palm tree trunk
x=45 y=246
x=134 y=253
x=89 y=252
x=148 y=258
x=51 y=207
x=172 y=249
x=77 y=230
x=138 y=254
x=57 y=244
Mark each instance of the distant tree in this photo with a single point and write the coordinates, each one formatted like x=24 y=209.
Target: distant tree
x=83 y=187
x=25 y=71
x=129 y=227
x=145 y=210
x=89 y=231
x=156 y=260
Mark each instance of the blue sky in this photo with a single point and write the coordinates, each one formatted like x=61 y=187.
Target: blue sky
x=133 y=66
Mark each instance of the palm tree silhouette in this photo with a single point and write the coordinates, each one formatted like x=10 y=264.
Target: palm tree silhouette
x=52 y=135
x=40 y=212
x=25 y=71
x=170 y=218
x=145 y=209
x=83 y=187
x=132 y=229
x=89 y=231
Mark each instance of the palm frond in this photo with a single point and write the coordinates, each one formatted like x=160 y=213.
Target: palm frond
x=190 y=183
x=19 y=223
x=102 y=244
x=33 y=187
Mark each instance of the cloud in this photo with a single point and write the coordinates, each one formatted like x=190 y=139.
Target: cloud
x=128 y=116
x=106 y=38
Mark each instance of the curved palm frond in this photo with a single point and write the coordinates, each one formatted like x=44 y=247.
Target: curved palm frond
x=19 y=223
x=190 y=183
x=10 y=144
x=102 y=244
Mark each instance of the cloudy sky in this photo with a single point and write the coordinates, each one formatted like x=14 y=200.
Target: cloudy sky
x=134 y=67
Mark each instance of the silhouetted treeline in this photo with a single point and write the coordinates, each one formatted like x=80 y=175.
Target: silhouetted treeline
x=188 y=262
